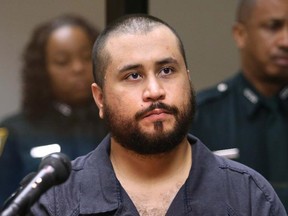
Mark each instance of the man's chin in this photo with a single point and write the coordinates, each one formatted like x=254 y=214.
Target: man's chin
x=156 y=129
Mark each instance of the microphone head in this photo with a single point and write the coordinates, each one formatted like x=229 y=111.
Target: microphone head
x=61 y=164
x=54 y=169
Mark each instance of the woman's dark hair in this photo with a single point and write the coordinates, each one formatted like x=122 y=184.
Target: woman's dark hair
x=37 y=95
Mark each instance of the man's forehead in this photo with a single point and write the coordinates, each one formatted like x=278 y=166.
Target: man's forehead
x=159 y=43
x=160 y=35
x=140 y=32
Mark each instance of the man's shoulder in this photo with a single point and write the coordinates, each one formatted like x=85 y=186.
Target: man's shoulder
x=241 y=189
x=243 y=183
x=91 y=178
x=218 y=161
x=228 y=170
x=240 y=176
x=235 y=167
x=217 y=93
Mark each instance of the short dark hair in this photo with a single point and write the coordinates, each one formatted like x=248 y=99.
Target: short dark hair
x=37 y=93
x=244 y=10
x=133 y=23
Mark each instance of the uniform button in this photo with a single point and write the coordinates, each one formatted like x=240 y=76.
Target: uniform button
x=222 y=87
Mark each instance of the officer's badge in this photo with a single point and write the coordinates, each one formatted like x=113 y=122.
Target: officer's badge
x=3 y=137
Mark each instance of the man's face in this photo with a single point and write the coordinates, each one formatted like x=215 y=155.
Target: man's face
x=264 y=41
x=68 y=57
x=147 y=96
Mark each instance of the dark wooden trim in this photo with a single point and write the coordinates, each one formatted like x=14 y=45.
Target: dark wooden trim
x=117 y=8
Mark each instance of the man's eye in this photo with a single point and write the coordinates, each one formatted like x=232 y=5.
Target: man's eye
x=134 y=76
x=274 y=25
x=166 y=71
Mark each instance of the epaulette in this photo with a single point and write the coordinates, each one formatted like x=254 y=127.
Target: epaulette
x=3 y=137
x=213 y=93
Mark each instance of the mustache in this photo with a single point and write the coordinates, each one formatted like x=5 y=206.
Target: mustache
x=156 y=105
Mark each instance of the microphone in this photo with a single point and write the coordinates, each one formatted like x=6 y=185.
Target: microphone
x=54 y=169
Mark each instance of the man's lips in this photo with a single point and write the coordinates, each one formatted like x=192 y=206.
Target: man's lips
x=281 y=60
x=156 y=112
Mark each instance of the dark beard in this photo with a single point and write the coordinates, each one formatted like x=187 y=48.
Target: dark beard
x=129 y=135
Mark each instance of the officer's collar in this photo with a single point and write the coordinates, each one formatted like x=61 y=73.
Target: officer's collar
x=64 y=109
x=67 y=110
x=254 y=100
x=283 y=95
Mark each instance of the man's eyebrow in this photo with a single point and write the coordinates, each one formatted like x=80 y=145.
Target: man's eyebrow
x=164 y=61
x=129 y=67
x=168 y=60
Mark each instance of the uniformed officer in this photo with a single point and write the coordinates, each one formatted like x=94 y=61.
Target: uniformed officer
x=250 y=111
x=58 y=112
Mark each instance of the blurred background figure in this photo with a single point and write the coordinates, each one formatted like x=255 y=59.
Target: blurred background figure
x=250 y=110
x=58 y=112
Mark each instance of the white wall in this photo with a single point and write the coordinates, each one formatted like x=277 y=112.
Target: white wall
x=204 y=25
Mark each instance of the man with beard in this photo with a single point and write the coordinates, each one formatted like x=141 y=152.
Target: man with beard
x=149 y=165
x=250 y=110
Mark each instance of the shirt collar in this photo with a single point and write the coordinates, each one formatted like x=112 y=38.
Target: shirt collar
x=107 y=190
x=204 y=177
x=101 y=191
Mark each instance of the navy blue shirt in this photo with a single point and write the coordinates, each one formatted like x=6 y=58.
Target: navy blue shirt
x=77 y=132
x=215 y=186
x=234 y=115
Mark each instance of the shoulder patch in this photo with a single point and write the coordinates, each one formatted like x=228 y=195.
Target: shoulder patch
x=3 y=137
x=212 y=93
x=222 y=87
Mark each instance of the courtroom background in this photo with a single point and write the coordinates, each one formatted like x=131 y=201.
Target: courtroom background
x=204 y=25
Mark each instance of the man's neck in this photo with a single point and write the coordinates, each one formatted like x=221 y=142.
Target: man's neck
x=136 y=166
x=152 y=182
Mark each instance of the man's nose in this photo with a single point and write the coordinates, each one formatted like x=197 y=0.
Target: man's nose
x=153 y=90
x=283 y=40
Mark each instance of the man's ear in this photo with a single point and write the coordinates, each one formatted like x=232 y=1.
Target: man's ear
x=189 y=75
x=98 y=98
x=239 y=34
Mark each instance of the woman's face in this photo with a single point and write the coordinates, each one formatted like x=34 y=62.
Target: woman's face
x=69 y=65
